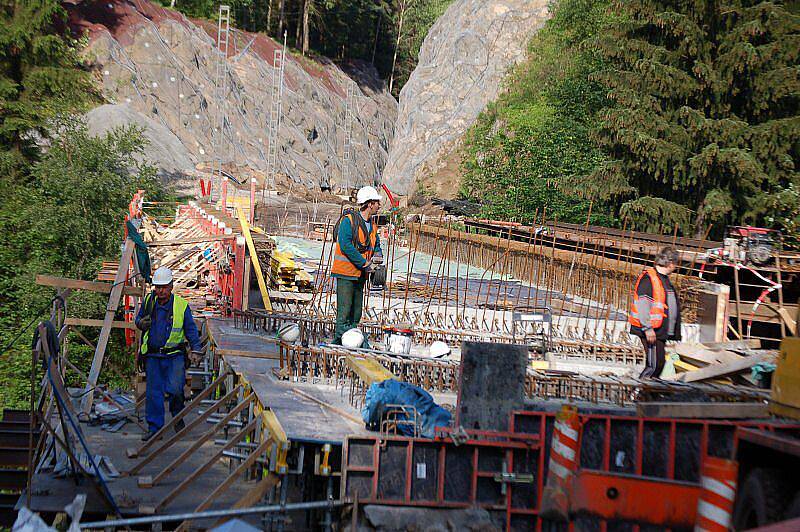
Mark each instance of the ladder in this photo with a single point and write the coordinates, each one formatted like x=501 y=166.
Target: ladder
x=276 y=109
x=347 y=154
x=220 y=89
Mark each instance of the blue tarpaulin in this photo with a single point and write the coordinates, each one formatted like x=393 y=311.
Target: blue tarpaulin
x=392 y=392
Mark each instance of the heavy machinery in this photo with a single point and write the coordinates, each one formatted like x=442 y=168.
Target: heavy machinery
x=747 y=245
x=769 y=461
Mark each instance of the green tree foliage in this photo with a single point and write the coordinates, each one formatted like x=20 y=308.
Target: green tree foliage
x=40 y=76
x=63 y=221
x=705 y=128
x=62 y=192
x=538 y=134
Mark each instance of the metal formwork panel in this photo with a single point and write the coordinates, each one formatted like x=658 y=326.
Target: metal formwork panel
x=494 y=475
x=389 y=470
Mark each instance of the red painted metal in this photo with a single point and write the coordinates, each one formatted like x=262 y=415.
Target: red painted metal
x=639 y=454
x=621 y=497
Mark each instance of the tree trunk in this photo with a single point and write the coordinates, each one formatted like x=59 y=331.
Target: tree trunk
x=269 y=16
x=299 y=24
x=402 y=6
x=281 y=16
x=377 y=33
x=306 y=10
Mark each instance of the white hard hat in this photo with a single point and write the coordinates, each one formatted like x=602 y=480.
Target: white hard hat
x=353 y=338
x=289 y=333
x=366 y=194
x=438 y=349
x=162 y=276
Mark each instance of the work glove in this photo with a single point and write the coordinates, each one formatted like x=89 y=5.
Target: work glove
x=369 y=267
x=144 y=324
x=377 y=259
x=196 y=357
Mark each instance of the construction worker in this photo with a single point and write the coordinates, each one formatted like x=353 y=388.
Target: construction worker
x=357 y=254
x=167 y=324
x=655 y=313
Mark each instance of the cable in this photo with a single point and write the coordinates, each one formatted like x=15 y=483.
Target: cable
x=80 y=437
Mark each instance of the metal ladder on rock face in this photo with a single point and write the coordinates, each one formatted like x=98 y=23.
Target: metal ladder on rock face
x=220 y=89
x=276 y=109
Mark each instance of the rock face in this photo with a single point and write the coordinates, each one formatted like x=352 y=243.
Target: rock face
x=166 y=67
x=461 y=66
x=164 y=150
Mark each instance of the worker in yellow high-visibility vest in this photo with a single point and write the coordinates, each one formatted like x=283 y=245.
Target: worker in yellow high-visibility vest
x=166 y=321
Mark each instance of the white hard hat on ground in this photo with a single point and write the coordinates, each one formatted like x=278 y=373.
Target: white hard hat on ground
x=366 y=194
x=438 y=349
x=353 y=338
x=162 y=276
x=289 y=333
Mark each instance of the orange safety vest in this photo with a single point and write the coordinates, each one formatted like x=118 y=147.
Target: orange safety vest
x=659 y=307
x=365 y=244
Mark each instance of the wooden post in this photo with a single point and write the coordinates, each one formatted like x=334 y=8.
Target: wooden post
x=113 y=302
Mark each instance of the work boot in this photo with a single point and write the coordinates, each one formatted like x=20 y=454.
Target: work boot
x=179 y=425
x=148 y=435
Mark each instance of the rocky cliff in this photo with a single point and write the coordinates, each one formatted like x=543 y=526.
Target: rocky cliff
x=160 y=67
x=462 y=63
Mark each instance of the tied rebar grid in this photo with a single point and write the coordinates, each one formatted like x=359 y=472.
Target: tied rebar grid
x=329 y=364
x=314 y=330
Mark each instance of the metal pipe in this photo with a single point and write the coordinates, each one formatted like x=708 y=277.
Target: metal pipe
x=216 y=513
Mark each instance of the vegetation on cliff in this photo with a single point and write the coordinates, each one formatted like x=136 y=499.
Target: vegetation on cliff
x=676 y=114
x=63 y=191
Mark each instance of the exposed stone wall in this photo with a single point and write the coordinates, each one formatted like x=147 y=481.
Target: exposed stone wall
x=462 y=63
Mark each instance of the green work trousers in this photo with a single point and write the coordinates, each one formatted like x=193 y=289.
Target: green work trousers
x=349 y=302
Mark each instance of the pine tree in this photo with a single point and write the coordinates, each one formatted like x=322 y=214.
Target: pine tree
x=40 y=77
x=705 y=125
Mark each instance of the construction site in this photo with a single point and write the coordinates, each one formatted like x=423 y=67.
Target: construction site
x=495 y=385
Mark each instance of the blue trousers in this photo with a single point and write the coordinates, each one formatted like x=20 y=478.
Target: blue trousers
x=165 y=377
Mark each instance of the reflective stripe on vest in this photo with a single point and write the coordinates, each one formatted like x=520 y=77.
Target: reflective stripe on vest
x=658 y=309
x=341 y=264
x=176 y=334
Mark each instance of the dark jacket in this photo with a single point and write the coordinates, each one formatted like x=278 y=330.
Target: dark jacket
x=644 y=294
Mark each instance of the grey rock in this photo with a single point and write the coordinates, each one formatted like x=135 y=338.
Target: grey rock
x=410 y=519
x=462 y=64
x=165 y=67
x=164 y=150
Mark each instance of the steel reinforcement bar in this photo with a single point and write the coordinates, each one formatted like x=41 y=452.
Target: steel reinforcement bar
x=337 y=365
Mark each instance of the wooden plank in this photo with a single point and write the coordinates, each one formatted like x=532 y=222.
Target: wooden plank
x=80 y=284
x=253 y=496
x=728 y=368
x=248 y=354
x=193 y=240
x=703 y=410
x=177 y=490
x=733 y=345
x=262 y=285
x=233 y=477
x=105 y=332
x=696 y=354
x=86 y=322
x=350 y=417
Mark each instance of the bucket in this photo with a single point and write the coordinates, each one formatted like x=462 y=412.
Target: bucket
x=398 y=340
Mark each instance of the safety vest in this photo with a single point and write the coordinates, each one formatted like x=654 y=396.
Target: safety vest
x=659 y=307
x=176 y=335
x=364 y=243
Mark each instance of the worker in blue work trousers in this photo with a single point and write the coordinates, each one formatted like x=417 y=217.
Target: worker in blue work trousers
x=167 y=326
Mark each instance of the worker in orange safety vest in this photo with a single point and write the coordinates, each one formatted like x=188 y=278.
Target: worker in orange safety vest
x=356 y=254
x=655 y=313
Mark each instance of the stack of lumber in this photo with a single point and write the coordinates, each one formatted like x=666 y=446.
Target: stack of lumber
x=287 y=274
x=721 y=361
